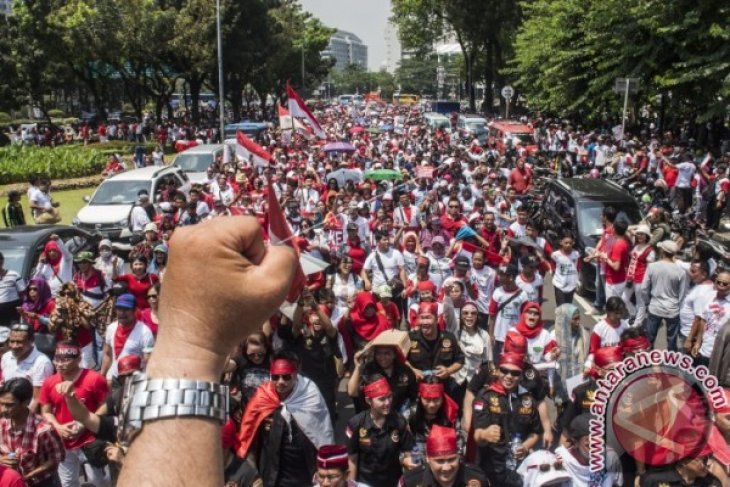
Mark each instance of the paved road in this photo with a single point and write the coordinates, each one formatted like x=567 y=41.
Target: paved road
x=345 y=409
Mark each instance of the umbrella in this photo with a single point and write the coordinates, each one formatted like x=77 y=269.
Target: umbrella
x=344 y=175
x=357 y=130
x=383 y=174
x=386 y=127
x=374 y=130
x=339 y=147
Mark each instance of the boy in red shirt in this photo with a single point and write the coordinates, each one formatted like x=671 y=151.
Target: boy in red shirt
x=617 y=261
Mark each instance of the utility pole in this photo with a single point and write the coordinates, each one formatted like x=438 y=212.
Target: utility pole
x=221 y=99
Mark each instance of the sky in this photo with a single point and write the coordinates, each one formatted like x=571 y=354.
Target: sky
x=366 y=20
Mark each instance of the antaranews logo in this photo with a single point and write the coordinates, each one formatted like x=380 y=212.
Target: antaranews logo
x=656 y=407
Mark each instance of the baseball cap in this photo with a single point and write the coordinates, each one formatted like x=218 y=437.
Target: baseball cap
x=510 y=270
x=125 y=301
x=105 y=243
x=150 y=227
x=669 y=246
x=84 y=256
x=352 y=226
x=352 y=205
x=528 y=260
x=462 y=261
x=438 y=240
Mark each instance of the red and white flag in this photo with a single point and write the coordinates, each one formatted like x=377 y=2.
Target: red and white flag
x=249 y=150
x=299 y=109
x=280 y=234
x=285 y=120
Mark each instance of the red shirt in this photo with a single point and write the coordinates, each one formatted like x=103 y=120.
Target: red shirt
x=91 y=389
x=520 y=180
x=139 y=287
x=621 y=251
x=10 y=478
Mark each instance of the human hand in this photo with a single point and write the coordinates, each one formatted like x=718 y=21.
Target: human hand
x=53 y=237
x=114 y=454
x=490 y=434
x=441 y=372
x=67 y=431
x=65 y=388
x=8 y=462
x=520 y=452
x=243 y=278
x=547 y=438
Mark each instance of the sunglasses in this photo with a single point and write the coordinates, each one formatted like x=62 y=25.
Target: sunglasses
x=257 y=354
x=513 y=373
x=545 y=467
x=284 y=377
x=722 y=283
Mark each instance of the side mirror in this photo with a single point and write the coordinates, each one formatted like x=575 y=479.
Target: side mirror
x=86 y=198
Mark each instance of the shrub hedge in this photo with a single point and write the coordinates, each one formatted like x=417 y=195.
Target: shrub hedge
x=18 y=163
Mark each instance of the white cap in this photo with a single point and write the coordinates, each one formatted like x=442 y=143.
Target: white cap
x=105 y=243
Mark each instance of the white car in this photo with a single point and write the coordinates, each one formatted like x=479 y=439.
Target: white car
x=107 y=210
x=196 y=160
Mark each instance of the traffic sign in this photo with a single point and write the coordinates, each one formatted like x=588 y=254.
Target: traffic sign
x=620 y=85
x=508 y=92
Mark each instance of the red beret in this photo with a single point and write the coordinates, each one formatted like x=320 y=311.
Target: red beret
x=638 y=344
x=332 y=456
x=515 y=359
x=606 y=356
x=441 y=441
x=514 y=342
x=428 y=309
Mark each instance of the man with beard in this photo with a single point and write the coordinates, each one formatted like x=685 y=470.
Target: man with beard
x=444 y=468
x=285 y=422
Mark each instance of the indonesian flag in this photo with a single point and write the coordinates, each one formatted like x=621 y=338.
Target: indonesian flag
x=299 y=109
x=286 y=123
x=247 y=149
x=280 y=234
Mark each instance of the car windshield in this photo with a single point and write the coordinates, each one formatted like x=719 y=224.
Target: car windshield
x=14 y=258
x=476 y=125
x=590 y=212
x=525 y=139
x=194 y=162
x=118 y=192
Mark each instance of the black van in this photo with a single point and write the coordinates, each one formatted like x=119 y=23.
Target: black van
x=576 y=204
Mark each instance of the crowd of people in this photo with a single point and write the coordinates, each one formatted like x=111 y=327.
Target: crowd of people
x=427 y=310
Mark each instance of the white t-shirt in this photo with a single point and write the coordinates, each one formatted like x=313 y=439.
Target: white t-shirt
x=392 y=260
x=41 y=199
x=139 y=342
x=477 y=350
x=36 y=367
x=484 y=280
x=139 y=218
x=686 y=170
x=693 y=305
x=715 y=315
x=510 y=313
x=11 y=286
x=565 y=277
x=531 y=289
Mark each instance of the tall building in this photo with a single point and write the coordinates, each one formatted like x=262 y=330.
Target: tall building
x=392 y=48
x=6 y=6
x=346 y=48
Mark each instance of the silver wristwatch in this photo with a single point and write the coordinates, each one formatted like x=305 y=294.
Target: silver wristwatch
x=152 y=399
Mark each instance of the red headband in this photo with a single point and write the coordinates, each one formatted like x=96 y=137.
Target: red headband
x=441 y=441
x=606 y=356
x=428 y=309
x=516 y=359
x=332 y=456
x=514 y=342
x=431 y=391
x=282 y=366
x=637 y=344
x=67 y=351
x=376 y=389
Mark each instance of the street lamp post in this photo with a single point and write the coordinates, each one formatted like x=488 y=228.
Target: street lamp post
x=221 y=99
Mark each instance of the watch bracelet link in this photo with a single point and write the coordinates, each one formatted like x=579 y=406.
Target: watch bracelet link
x=152 y=399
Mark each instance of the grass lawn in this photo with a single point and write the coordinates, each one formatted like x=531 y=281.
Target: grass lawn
x=70 y=200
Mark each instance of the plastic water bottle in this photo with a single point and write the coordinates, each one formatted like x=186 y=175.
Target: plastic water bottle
x=416 y=456
x=516 y=443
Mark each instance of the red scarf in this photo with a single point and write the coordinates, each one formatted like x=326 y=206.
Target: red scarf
x=263 y=403
x=120 y=338
x=522 y=327
x=367 y=328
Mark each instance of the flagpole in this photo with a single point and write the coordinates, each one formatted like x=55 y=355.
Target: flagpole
x=221 y=99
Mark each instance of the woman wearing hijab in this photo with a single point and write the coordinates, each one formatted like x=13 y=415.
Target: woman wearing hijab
x=159 y=261
x=38 y=303
x=572 y=340
x=55 y=264
x=362 y=323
